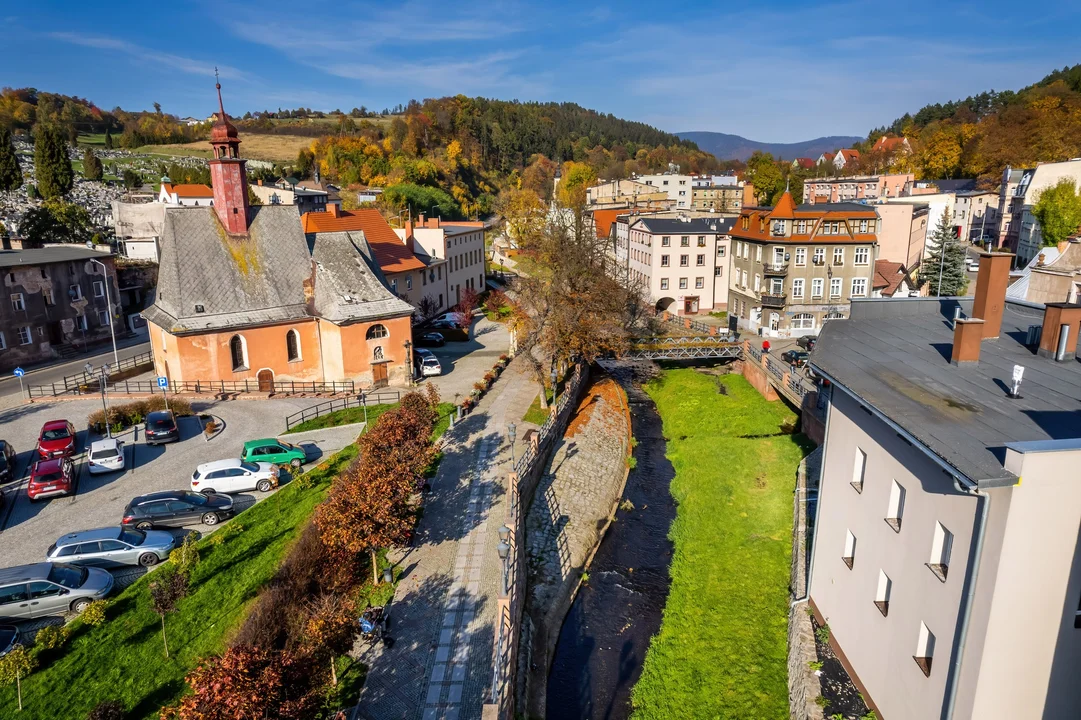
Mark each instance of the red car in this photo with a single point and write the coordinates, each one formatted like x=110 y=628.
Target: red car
x=57 y=439
x=51 y=477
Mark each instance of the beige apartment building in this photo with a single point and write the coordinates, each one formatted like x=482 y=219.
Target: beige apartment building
x=945 y=556
x=626 y=193
x=460 y=247
x=718 y=198
x=902 y=232
x=680 y=262
x=975 y=215
x=795 y=267
x=844 y=189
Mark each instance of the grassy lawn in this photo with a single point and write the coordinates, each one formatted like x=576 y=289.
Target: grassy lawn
x=123 y=659
x=721 y=650
x=356 y=415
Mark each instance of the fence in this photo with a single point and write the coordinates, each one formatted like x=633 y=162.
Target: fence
x=143 y=387
x=86 y=382
x=361 y=400
x=521 y=483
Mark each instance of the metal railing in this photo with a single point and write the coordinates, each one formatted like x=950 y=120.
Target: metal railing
x=141 y=387
x=361 y=400
x=82 y=382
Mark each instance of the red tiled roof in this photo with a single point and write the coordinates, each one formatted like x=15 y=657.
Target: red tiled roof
x=603 y=219
x=806 y=163
x=758 y=222
x=390 y=252
x=829 y=156
x=889 y=144
x=888 y=277
x=849 y=154
x=187 y=190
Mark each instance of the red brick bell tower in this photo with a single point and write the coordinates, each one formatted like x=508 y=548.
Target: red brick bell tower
x=228 y=174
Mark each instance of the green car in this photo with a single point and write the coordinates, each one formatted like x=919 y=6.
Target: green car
x=273 y=451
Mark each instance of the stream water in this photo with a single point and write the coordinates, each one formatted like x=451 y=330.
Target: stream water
x=604 y=637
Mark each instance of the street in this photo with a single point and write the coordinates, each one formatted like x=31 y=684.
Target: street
x=9 y=384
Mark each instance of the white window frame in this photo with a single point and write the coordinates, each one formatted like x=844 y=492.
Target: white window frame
x=99 y=289
x=838 y=256
x=683 y=283
x=882 y=593
x=941 y=549
x=797 y=288
x=664 y=283
x=699 y=283
x=78 y=292
x=849 y=557
x=81 y=323
x=757 y=282
x=817 y=287
x=103 y=318
x=859 y=469
x=758 y=253
x=896 y=510
x=801 y=257
x=819 y=257
x=861 y=284
x=3 y=341
x=925 y=647
x=861 y=256
x=18 y=302
x=835 y=288
x=26 y=335
x=802 y=321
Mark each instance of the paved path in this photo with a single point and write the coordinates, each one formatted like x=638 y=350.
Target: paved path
x=443 y=612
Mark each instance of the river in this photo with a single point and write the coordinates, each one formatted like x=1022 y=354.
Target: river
x=603 y=641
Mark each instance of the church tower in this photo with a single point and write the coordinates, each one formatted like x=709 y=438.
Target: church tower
x=228 y=174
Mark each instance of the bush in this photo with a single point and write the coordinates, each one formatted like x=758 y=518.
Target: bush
x=210 y=428
x=480 y=386
x=127 y=414
x=51 y=636
x=94 y=614
x=230 y=530
x=107 y=710
x=186 y=557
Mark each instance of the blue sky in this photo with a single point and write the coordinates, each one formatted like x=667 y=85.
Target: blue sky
x=782 y=72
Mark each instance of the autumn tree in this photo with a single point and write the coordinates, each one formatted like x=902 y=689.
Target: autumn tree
x=524 y=212
x=245 y=683
x=427 y=308
x=1058 y=209
x=330 y=629
x=57 y=221
x=943 y=270
x=167 y=588
x=763 y=173
x=576 y=179
x=468 y=303
x=52 y=167
x=92 y=168
x=11 y=174
x=14 y=666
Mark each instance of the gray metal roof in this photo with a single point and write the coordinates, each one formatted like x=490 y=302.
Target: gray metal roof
x=688 y=226
x=260 y=279
x=894 y=355
x=44 y=256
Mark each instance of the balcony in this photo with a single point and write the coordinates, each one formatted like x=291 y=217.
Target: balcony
x=775 y=269
x=769 y=300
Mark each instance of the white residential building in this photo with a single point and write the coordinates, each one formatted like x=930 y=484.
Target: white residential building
x=185 y=194
x=460 y=244
x=680 y=188
x=1030 y=236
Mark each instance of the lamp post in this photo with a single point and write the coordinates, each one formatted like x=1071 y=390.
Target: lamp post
x=364 y=404
x=109 y=302
x=409 y=361
x=103 y=380
x=829 y=292
x=502 y=272
x=555 y=392
x=512 y=430
x=503 y=548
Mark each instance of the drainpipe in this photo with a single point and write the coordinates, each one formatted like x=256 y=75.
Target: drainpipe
x=818 y=504
x=981 y=531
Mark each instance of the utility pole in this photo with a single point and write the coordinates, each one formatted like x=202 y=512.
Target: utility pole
x=109 y=303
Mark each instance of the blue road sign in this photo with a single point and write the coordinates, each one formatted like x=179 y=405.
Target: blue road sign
x=163 y=382
x=19 y=372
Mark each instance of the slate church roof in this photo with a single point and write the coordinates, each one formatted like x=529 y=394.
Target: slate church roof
x=210 y=281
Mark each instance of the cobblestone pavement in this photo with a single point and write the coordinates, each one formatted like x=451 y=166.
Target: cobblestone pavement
x=439 y=665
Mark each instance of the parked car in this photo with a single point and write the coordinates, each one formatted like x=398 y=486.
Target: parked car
x=427 y=363
x=796 y=358
x=445 y=325
x=807 y=342
x=176 y=508
x=105 y=456
x=9 y=638
x=456 y=319
x=431 y=339
x=7 y=462
x=57 y=439
x=275 y=452
x=233 y=476
x=43 y=589
x=160 y=427
x=51 y=477
x=112 y=547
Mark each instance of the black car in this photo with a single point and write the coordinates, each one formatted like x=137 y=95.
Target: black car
x=796 y=358
x=431 y=339
x=161 y=427
x=7 y=461
x=176 y=508
x=807 y=342
x=9 y=638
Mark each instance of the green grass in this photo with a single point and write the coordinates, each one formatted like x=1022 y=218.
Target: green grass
x=356 y=415
x=722 y=647
x=123 y=658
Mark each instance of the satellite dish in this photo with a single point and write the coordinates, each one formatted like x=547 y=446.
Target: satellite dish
x=90 y=244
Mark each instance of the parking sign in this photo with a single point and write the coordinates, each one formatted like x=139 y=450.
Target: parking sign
x=163 y=382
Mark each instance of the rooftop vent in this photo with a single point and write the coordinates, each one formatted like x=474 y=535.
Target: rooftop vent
x=200 y=309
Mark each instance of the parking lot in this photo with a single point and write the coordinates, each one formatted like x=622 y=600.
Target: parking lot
x=464 y=363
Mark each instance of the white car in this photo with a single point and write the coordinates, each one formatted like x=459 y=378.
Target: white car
x=427 y=363
x=105 y=456
x=233 y=476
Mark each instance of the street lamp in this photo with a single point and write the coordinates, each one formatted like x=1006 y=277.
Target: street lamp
x=109 y=302
x=502 y=272
x=503 y=548
x=364 y=403
x=409 y=360
x=103 y=380
x=512 y=430
x=555 y=392
x=829 y=292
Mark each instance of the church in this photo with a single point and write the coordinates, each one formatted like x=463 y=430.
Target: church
x=243 y=294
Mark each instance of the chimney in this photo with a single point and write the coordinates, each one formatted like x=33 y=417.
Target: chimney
x=991 y=282
x=409 y=227
x=1061 y=324
x=967 y=334
x=420 y=220
x=334 y=209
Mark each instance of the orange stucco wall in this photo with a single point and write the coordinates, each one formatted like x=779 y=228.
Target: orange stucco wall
x=327 y=353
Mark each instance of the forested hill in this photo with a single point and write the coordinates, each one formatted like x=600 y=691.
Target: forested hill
x=735 y=147
x=980 y=135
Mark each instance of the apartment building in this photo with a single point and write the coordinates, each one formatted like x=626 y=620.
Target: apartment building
x=1011 y=200
x=626 y=193
x=717 y=198
x=846 y=189
x=680 y=188
x=975 y=215
x=951 y=588
x=795 y=267
x=1044 y=176
x=902 y=232
x=285 y=192
x=681 y=262
x=459 y=244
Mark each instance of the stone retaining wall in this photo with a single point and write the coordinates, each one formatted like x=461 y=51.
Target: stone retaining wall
x=803 y=684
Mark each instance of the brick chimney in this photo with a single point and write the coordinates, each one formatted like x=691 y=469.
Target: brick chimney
x=334 y=209
x=420 y=220
x=967 y=334
x=991 y=283
x=1061 y=325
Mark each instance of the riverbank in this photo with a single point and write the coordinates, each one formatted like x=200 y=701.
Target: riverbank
x=721 y=650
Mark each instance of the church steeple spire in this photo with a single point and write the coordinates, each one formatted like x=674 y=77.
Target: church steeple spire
x=228 y=173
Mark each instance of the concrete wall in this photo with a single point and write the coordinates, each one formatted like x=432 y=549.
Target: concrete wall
x=903 y=233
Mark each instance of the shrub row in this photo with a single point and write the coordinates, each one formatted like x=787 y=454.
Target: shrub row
x=484 y=385
x=131 y=413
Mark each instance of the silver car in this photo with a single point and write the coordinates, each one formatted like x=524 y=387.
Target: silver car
x=43 y=589
x=112 y=547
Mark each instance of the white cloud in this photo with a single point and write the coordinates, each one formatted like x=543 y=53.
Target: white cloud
x=175 y=62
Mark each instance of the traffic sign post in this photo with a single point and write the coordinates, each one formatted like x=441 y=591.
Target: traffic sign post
x=163 y=383
x=19 y=372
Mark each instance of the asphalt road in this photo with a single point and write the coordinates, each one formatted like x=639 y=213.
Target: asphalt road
x=9 y=384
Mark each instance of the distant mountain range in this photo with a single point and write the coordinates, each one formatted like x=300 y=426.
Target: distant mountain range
x=734 y=147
